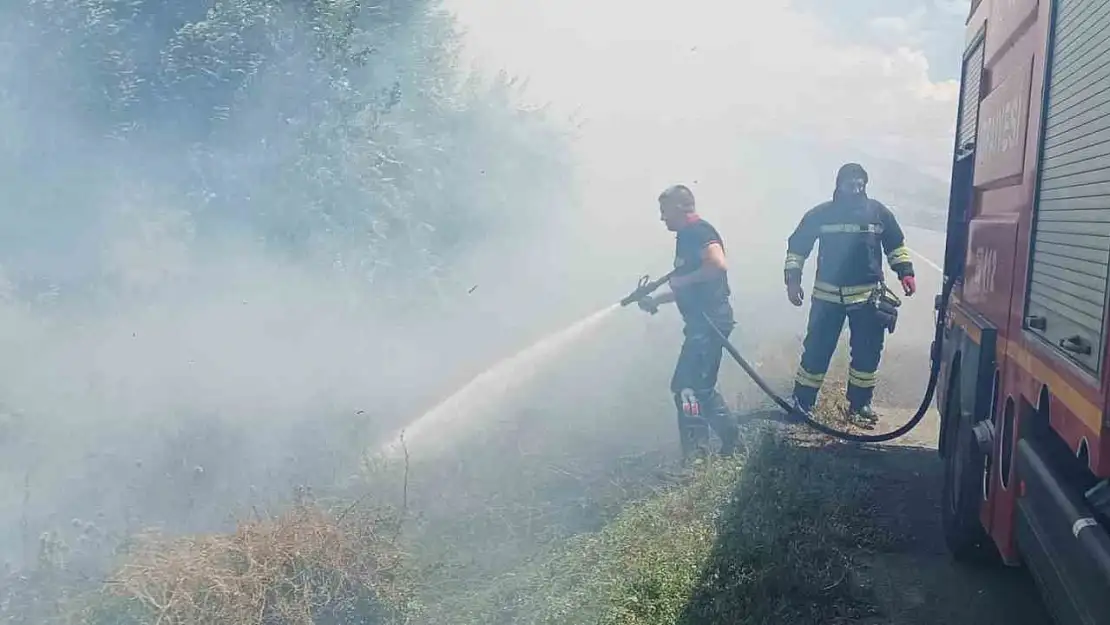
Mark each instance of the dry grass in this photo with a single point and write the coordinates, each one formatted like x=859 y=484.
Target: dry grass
x=314 y=563
x=832 y=405
x=308 y=566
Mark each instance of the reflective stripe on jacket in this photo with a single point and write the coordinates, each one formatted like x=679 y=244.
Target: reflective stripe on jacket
x=854 y=233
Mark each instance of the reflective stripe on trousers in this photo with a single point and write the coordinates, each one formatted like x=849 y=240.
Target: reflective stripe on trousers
x=826 y=320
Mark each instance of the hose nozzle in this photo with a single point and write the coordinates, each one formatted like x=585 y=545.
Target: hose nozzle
x=645 y=287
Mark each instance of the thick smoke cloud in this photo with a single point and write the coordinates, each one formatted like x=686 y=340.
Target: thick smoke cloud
x=240 y=239
x=754 y=105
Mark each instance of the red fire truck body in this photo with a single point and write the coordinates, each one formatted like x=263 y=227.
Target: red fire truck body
x=1025 y=378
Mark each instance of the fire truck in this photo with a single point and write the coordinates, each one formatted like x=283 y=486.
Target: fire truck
x=1024 y=377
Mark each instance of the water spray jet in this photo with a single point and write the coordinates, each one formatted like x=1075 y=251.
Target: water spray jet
x=488 y=388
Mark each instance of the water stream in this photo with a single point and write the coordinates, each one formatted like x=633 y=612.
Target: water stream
x=456 y=413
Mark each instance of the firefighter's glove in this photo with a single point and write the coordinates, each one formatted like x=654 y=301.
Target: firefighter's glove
x=794 y=293
x=648 y=304
x=909 y=285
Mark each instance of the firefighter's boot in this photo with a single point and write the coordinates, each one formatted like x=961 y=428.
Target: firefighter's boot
x=863 y=415
x=720 y=418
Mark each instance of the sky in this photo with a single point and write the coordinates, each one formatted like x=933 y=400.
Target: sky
x=699 y=78
x=935 y=27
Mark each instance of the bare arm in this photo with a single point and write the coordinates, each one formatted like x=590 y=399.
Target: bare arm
x=712 y=265
x=664 y=298
x=651 y=302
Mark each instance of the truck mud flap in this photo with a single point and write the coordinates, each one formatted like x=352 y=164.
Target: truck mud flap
x=1067 y=550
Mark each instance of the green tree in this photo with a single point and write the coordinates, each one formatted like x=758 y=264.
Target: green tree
x=338 y=126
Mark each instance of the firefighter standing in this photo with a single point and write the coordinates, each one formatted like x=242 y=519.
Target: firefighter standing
x=700 y=290
x=854 y=231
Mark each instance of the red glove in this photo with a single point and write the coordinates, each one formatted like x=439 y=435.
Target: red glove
x=909 y=285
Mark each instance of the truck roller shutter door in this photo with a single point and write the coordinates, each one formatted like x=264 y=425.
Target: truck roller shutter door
x=969 y=96
x=1071 y=240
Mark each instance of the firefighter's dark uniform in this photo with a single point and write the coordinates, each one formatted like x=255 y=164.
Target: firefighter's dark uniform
x=854 y=231
x=700 y=359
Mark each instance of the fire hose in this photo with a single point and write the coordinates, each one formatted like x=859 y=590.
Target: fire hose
x=646 y=287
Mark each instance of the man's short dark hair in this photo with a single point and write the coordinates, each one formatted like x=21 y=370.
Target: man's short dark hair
x=678 y=194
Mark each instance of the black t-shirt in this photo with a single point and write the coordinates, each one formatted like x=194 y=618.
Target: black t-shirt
x=704 y=297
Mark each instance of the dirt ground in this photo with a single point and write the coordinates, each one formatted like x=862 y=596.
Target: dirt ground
x=917 y=583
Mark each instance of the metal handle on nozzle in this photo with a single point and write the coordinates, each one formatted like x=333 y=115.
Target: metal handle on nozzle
x=646 y=287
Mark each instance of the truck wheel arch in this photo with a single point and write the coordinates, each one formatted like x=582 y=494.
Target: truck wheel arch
x=947 y=422
x=1007 y=442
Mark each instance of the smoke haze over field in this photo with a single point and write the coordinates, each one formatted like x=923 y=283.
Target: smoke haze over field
x=239 y=245
x=754 y=104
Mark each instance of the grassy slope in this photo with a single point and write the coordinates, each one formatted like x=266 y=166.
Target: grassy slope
x=766 y=538
x=773 y=536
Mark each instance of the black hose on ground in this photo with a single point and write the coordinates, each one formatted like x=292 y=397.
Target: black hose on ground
x=646 y=287
x=807 y=418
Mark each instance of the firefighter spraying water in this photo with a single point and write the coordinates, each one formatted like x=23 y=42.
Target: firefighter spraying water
x=699 y=287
